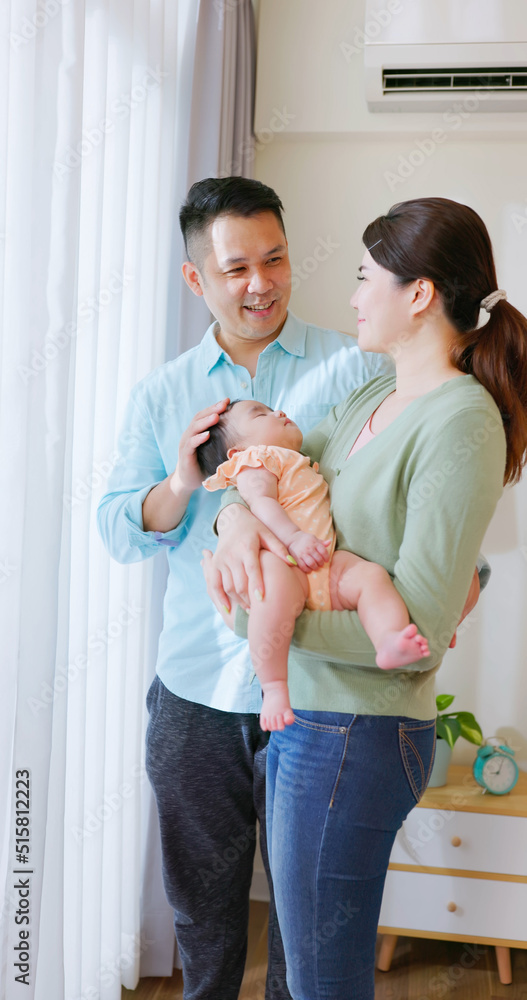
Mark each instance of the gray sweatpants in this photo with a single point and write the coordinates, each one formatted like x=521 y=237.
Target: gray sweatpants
x=207 y=770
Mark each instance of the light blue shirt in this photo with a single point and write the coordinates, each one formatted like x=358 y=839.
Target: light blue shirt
x=305 y=371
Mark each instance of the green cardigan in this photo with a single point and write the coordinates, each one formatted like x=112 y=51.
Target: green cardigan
x=417 y=499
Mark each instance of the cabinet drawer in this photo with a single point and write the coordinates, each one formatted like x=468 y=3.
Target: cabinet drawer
x=484 y=907
x=488 y=843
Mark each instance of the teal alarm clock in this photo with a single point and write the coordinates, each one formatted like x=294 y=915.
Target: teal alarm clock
x=495 y=769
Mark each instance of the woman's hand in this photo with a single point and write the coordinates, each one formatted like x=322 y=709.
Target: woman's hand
x=470 y=603
x=233 y=574
x=211 y=579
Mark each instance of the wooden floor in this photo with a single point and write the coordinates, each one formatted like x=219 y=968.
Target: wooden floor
x=421 y=970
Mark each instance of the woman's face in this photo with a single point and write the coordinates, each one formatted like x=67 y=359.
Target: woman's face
x=384 y=309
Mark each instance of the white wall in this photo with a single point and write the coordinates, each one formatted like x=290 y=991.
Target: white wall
x=335 y=166
x=310 y=59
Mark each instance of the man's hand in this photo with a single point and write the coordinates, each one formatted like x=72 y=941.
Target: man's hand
x=165 y=505
x=233 y=574
x=470 y=603
x=188 y=475
x=309 y=551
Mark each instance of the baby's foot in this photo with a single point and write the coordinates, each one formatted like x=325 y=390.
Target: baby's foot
x=400 y=648
x=276 y=708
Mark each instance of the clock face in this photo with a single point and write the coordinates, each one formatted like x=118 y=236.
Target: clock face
x=499 y=773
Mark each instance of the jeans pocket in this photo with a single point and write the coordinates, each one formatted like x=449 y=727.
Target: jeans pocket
x=318 y=731
x=324 y=722
x=417 y=747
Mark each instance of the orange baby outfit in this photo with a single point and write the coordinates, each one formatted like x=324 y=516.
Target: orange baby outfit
x=302 y=492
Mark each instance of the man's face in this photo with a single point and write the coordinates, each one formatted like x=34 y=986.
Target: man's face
x=246 y=276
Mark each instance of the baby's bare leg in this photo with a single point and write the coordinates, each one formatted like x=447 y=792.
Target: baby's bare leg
x=366 y=587
x=271 y=625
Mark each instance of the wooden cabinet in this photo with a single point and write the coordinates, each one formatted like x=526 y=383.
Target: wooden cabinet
x=458 y=870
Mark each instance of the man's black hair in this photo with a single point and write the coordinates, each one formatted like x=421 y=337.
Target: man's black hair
x=214 y=196
x=214 y=450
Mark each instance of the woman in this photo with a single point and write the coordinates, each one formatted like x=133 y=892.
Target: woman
x=416 y=465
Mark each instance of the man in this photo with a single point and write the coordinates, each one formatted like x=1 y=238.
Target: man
x=205 y=749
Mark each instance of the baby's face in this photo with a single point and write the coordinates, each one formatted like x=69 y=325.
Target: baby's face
x=254 y=423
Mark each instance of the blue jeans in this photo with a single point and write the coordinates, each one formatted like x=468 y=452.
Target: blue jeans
x=338 y=788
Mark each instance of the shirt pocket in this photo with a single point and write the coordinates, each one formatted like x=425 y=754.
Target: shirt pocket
x=307 y=415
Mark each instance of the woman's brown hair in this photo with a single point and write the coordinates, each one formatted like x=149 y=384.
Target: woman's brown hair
x=448 y=243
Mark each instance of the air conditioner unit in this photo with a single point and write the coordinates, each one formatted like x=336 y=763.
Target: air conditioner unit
x=428 y=55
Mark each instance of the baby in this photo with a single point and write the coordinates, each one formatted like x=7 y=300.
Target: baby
x=256 y=449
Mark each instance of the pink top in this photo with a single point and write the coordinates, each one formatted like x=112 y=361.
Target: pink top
x=365 y=435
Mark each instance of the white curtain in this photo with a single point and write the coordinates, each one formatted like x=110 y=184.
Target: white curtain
x=92 y=115
x=215 y=114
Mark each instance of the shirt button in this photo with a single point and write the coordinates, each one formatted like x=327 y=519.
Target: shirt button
x=243 y=385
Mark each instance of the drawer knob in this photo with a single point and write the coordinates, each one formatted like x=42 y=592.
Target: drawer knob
x=456 y=841
x=451 y=907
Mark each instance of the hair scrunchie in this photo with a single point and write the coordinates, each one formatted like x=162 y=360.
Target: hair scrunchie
x=489 y=301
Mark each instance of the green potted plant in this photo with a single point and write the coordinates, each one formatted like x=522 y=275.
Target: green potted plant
x=451 y=725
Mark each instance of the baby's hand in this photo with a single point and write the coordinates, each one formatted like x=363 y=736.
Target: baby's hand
x=310 y=553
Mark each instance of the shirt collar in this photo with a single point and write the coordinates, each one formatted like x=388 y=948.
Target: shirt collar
x=211 y=351
x=292 y=339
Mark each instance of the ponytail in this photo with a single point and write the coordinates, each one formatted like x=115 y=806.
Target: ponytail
x=496 y=354
x=448 y=243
